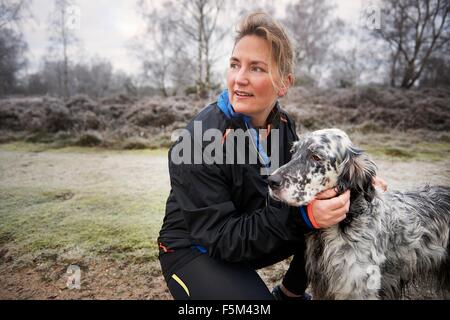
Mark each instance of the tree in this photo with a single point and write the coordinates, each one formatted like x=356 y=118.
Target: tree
x=414 y=30
x=313 y=31
x=12 y=45
x=347 y=69
x=199 y=24
x=13 y=12
x=35 y=84
x=436 y=73
x=181 y=43
x=96 y=79
x=12 y=48
x=62 y=38
x=161 y=49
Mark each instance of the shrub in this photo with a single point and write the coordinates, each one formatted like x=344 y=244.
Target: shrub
x=89 y=139
x=135 y=143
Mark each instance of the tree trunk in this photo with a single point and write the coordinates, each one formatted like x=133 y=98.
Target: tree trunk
x=408 y=76
x=200 y=84
x=66 y=59
x=208 y=71
x=393 y=73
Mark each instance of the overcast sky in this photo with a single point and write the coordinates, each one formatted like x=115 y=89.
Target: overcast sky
x=106 y=26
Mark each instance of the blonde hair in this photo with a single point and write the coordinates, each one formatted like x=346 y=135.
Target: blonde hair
x=281 y=50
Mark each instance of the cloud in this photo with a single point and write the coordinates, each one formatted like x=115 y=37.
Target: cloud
x=105 y=29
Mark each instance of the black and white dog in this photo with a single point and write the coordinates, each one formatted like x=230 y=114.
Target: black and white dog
x=387 y=241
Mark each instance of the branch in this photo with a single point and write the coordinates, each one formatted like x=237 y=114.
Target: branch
x=424 y=60
x=14 y=15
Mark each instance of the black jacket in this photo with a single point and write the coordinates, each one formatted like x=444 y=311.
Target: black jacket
x=225 y=209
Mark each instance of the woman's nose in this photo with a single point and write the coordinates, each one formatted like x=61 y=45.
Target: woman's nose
x=241 y=77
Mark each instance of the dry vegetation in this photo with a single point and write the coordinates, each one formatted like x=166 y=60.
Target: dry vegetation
x=371 y=109
x=101 y=209
x=117 y=122
x=126 y=123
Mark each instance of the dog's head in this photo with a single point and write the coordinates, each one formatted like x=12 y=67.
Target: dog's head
x=322 y=160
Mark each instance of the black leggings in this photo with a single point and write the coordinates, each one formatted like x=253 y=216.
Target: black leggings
x=205 y=278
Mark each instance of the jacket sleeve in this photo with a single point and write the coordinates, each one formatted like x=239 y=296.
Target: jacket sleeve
x=213 y=221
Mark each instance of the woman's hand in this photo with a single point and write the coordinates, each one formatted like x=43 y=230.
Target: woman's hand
x=329 y=209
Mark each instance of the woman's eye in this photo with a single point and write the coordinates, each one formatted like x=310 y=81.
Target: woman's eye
x=234 y=66
x=257 y=69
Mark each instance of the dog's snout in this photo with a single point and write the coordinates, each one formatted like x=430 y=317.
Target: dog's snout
x=275 y=181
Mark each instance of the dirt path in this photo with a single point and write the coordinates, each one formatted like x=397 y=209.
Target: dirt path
x=129 y=173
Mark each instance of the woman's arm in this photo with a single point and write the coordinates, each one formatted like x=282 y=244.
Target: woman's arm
x=212 y=219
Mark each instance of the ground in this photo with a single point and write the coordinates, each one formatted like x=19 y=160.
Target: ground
x=101 y=210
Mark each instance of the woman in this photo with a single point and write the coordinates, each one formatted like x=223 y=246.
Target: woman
x=220 y=224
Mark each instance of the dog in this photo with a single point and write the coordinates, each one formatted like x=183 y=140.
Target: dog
x=387 y=242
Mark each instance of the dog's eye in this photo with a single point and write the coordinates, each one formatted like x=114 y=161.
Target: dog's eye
x=316 y=157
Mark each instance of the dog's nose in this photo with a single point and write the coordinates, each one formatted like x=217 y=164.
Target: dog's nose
x=275 y=181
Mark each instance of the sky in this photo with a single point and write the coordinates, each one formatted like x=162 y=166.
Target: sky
x=105 y=28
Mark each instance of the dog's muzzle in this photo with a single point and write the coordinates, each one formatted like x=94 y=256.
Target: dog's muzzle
x=275 y=181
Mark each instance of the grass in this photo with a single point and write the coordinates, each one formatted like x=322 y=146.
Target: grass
x=419 y=152
x=22 y=146
x=60 y=223
x=402 y=146
x=104 y=140
x=48 y=222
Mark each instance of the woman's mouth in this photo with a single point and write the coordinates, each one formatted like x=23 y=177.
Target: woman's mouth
x=242 y=94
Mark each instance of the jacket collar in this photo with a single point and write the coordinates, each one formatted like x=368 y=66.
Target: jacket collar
x=223 y=102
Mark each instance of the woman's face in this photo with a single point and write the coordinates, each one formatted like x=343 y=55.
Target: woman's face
x=250 y=87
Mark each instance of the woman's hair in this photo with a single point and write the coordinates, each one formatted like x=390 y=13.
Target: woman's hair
x=281 y=50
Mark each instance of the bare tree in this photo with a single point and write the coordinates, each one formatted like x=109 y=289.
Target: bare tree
x=345 y=72
x=199 y=24
x=313 y=30
x=96 y=79
x=180 y=43
x=13 y=12
x=93 y=79
x=62 y=38
x=12 y=48
x=12 y=44
x=161 y=49
x=437 y=71
x=413 y=30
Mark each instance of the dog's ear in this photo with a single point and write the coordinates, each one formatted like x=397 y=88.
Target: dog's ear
x=357 y=172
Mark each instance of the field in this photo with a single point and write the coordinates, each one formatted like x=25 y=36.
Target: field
x=84 y=182
x=102 y=209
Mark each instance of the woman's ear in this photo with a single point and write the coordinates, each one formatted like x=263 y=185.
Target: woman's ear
x=357 y=174
x=286 y=83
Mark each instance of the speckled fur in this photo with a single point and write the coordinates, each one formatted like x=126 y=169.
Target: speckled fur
x=389 y=240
